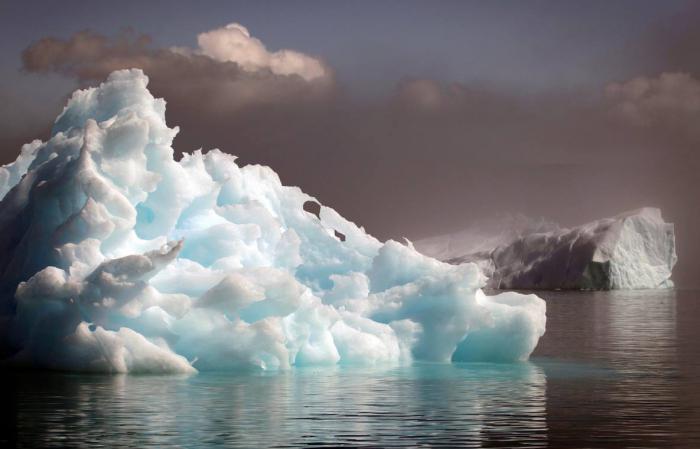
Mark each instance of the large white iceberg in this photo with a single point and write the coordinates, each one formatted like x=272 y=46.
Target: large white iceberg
x=114 y=257
x=634 y=250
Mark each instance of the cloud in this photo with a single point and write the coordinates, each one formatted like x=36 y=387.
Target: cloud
x=87 y=52
x=671 y=99
x=233 y=43
x=423 y=94
x=231 y=70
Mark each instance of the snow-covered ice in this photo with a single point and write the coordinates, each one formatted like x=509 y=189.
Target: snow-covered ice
x=634 y=250
x=114 y=257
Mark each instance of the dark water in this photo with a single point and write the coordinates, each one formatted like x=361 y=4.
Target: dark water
x=614 y=370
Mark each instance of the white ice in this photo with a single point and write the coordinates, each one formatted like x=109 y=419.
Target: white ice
x=633 y=250
x=114 y=257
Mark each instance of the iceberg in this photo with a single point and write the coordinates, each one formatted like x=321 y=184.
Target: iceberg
x=633 y=250
x=115 y=257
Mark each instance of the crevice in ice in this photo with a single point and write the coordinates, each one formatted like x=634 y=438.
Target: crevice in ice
x=313 y=208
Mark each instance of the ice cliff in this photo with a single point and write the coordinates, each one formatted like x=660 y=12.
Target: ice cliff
x=114 y=257
x=634 y=250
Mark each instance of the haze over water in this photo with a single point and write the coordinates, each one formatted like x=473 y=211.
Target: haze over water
x=615 y=369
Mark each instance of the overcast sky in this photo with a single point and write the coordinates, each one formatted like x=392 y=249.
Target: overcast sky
x=410 y=118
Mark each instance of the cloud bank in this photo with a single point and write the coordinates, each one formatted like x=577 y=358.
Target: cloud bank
x=671 y=99
x=230 y=69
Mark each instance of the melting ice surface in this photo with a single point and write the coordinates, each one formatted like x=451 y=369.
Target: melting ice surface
x=114 y=257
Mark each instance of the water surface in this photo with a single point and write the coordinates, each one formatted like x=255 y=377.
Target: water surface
x=618 y=369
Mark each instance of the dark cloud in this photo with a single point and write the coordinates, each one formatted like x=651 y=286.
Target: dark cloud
x=428 y=158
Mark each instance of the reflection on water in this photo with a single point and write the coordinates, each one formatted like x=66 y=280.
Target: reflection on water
x=651 y=355
x=434 y=404
x=613 y=370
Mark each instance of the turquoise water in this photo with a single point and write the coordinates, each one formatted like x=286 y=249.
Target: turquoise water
x=613 y=370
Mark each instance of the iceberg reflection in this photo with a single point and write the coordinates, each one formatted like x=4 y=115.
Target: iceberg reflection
x=435 y=404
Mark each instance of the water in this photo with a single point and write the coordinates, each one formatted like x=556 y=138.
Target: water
x=617 y=369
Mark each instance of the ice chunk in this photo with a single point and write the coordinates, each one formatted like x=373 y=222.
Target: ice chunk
x=114 y=257
x=634 y=250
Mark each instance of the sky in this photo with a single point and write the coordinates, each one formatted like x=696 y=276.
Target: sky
x=410 y=118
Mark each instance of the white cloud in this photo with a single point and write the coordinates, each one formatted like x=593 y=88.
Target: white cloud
x=233 y=43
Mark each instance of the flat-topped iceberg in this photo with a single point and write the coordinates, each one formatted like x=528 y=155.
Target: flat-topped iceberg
x=634 y=250
x=114 y=257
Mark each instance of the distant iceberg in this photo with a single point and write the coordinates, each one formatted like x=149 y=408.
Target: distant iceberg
x=634 y=250
x=114 y=257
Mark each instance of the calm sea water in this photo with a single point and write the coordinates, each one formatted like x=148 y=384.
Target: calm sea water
x=617 y=369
